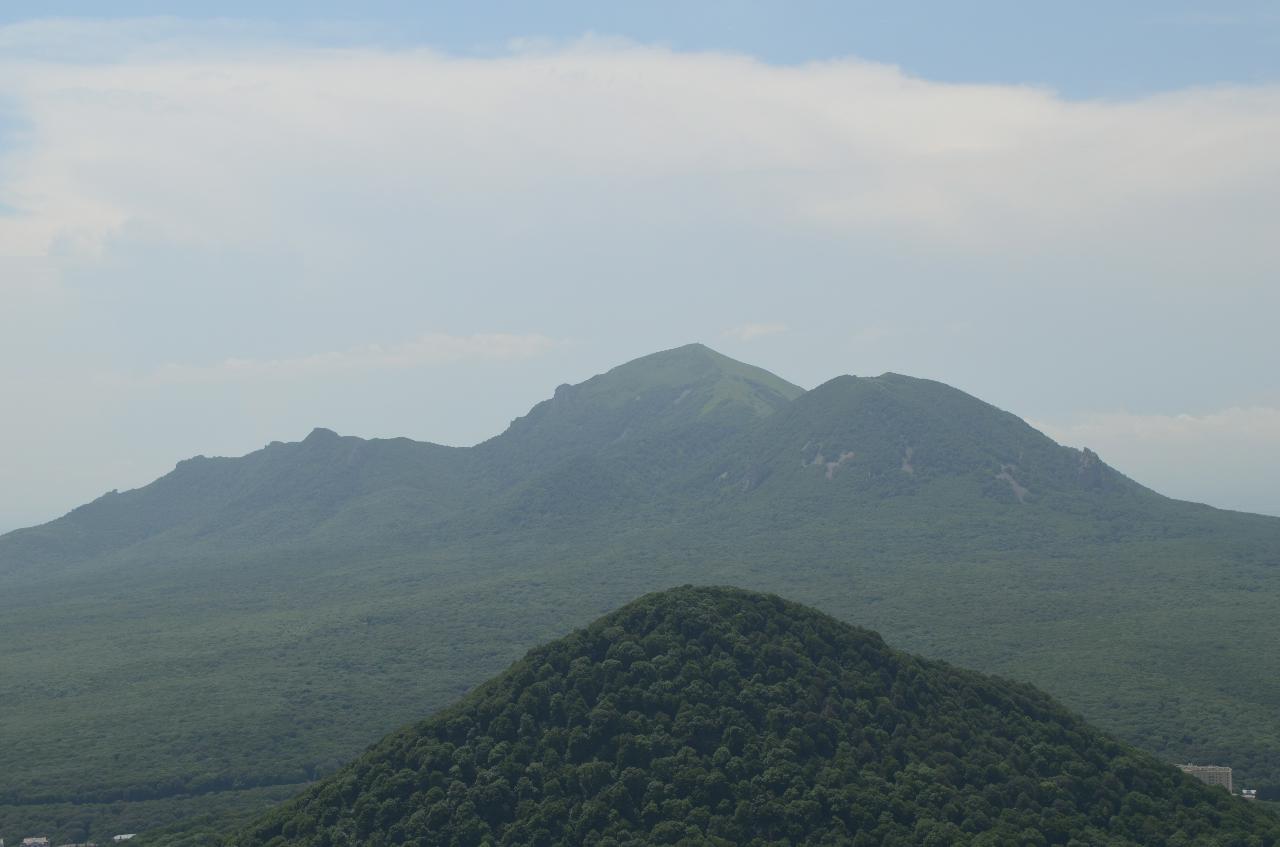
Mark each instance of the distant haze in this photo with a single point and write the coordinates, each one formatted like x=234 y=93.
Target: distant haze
x=212 y=237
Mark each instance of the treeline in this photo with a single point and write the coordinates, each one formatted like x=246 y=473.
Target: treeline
x=161 y=788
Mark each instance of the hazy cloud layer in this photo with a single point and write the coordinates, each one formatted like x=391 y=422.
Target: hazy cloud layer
x=430 y=349
x=750 y=332
x=256 y=146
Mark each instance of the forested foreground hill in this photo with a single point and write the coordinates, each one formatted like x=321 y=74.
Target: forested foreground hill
x=714 y=716
x=244 y=625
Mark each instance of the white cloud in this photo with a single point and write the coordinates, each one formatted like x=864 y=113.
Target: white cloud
x=1227 y=458
x=429 y=349
x=289 y=145
x=750 y=331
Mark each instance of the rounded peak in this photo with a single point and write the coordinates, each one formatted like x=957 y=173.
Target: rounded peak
x=687 y=353
x=901 y=385
x=724 y=598
x=321 y=434
x=689 y=591
x=722 y=608
x=682 y=366
x=692 y=348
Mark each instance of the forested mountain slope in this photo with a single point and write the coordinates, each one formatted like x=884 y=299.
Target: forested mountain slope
x=329 y=489
x=716 y=716
x=243 y=624
x=278 y=494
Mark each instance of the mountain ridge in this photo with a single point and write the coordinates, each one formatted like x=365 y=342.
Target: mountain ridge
x=740 y=396
x=309 y=578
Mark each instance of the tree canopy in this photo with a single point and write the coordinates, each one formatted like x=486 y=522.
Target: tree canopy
x=714 y=716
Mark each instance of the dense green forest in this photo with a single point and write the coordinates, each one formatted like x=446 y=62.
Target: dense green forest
x=705 y=716
x=245 y=625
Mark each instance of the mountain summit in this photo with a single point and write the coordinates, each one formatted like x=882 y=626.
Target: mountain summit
x=894 y=435
x=720 y=717
x=694 y=381
x=691 y=394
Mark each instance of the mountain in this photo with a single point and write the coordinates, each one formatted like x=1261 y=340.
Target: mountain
x=893 y=435
x=279 y=493
x=688 y=389
x=214 y=640
x=717 y=716
x=609 y=441
x=682 y=402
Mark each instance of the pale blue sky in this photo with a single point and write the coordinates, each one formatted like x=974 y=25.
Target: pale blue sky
x=1088 y=48
x=220 y=228
x=1084 y=49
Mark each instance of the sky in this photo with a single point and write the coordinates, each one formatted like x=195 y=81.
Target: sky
x=221 y=226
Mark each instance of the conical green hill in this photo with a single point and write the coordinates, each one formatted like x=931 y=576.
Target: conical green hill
x=714 y=716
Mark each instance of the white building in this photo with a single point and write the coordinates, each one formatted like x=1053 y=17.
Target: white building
x=1211 y=774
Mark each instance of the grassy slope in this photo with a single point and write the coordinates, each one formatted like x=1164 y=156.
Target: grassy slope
x=290 y=607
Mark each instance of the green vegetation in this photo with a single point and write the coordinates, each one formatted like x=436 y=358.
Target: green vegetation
x=255 y=622
x=719 y=717
x=173 y=821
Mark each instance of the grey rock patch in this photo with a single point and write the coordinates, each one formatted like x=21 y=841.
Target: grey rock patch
x=1006 y=474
